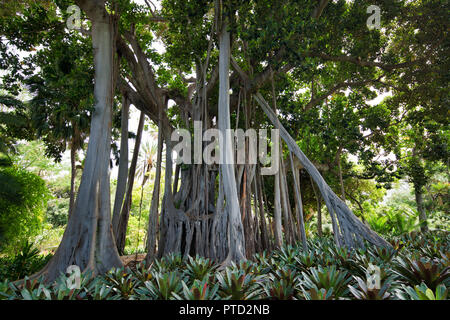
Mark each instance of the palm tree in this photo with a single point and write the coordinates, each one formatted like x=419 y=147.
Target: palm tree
x=147 y=160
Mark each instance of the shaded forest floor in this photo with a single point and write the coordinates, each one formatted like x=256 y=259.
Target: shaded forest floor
x=131 y=260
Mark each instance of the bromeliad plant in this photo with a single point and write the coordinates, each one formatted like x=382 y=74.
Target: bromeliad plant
x=239 y=285
x=306 y=259
x=162 y=287
x=199 y=268
x=384 y=255
x=344 y=258
x=251 y=267
x=422 y=292
x=200 y=290
x=28 y=290
x=318 y=294
x=363 y=292
x=416 y=271
x=143 y=272
x=122 y=282
x=286 y=255
x=37 y=289
x=170 y=262
x=327 y=278
x=283 y=285
x=98 y=290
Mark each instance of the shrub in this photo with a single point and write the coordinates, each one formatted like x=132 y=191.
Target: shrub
x=23 y=201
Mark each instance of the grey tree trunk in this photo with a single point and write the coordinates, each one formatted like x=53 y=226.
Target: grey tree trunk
x=236 y=235
x=172 y=219
x=123 y=165
x=88 y=240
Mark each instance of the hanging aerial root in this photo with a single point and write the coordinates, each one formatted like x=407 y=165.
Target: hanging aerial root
x=350 y=230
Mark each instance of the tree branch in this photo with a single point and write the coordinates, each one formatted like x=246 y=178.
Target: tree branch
x=154 y=17
x=319 y=9
x=363 y=63
x=314 y=101
x=94 y=9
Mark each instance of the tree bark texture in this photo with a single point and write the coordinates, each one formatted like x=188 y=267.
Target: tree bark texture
x=88 y=240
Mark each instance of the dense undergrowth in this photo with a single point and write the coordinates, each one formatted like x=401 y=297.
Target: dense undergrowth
x=27 y=261
x=418 y=268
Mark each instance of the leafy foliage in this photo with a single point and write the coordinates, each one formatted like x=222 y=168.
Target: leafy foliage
x=416 y=271
x=363 y=292
x=27 y=261
x=236 y=284
x=23 y=200
x=327 y=278
x=422 y=292
x=266 y=276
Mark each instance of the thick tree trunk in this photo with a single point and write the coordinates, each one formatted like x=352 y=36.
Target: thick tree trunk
x=219 y=230
x=88 y=240
x=123 y=165
x=172 y=219
x=350 y=231
x=121 y=232
x=236 y=236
